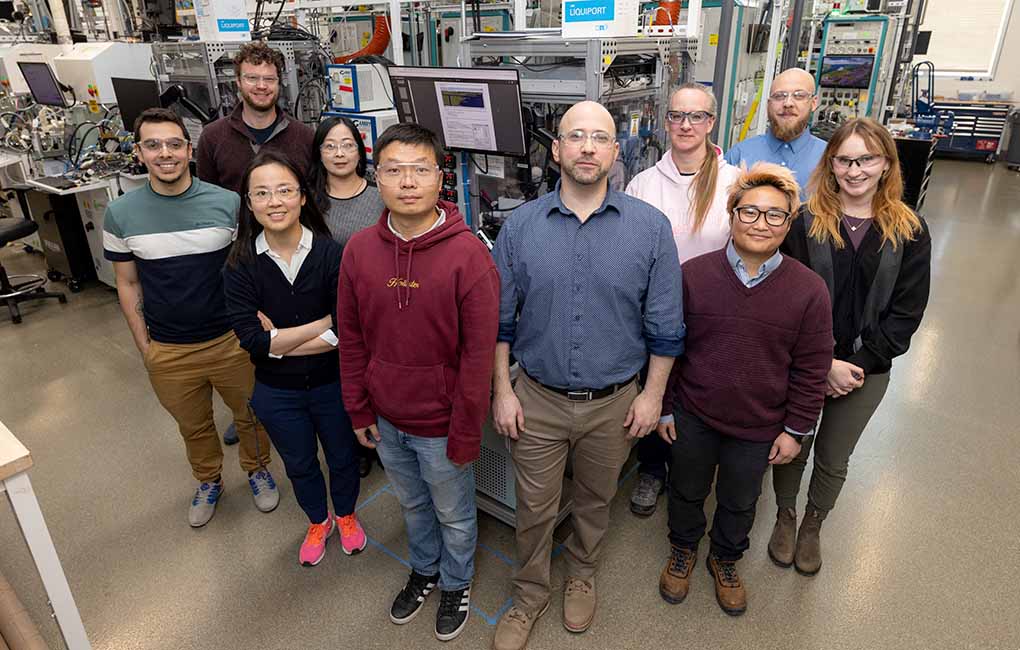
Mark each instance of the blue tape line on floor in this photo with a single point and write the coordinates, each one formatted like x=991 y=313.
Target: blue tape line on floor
x=372 y=497
x=500 y=556
x=382 y=547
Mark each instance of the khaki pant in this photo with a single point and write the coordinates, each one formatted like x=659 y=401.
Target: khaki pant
x=184 y=376
x=555 y=427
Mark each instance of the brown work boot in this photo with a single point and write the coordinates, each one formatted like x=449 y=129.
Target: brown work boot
x=675 y=580
x=808 y=557
x=784 y=538
x=578 y=604
x=729 y=591
x=514 y=627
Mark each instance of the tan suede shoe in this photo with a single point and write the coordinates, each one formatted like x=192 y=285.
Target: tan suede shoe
x=578 y=604
x=514 y=627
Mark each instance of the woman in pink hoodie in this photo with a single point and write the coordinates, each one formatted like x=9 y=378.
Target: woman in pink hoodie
x=690 y=186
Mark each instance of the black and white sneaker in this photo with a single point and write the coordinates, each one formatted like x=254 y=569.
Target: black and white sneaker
x=453 y=613
x=408 y=602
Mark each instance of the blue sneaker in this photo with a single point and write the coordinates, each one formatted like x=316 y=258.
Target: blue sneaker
x=230 y=435
x=203 y=506
x=263 y=489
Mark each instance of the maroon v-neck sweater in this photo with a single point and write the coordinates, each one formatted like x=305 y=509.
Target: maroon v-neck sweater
x=756 y=359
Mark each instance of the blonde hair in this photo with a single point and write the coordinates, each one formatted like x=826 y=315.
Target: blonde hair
x=895 y=221
x=765 y=175
x=702 y=190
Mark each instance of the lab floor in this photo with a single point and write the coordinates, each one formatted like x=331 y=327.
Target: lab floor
x=921 y=552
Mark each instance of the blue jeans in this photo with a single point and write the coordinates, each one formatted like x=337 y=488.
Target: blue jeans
x=438 y=502
x=291 y=418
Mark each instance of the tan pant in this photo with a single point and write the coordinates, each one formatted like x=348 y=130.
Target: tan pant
x=184 y=376
x=555 y=427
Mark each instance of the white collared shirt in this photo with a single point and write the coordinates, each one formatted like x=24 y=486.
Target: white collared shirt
x=440 y=220
x=290 y=271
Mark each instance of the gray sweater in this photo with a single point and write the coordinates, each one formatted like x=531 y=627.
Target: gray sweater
x=347 y=216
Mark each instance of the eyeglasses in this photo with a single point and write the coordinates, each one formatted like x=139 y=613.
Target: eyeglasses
x=155 y=145
x=749 y=214
x=346 y=146
x=865 y=161
x=285 y=193
x=694 y=117
x=254 y=79
x=577 y=138
x=798 y=96
x=393 y=173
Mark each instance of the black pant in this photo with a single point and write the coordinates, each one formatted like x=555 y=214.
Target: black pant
x=697 y=452
x=653 y=454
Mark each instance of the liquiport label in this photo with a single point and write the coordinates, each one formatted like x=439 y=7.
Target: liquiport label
x=588 y=11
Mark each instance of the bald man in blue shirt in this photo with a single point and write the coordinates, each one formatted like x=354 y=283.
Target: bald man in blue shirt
x=788 y=142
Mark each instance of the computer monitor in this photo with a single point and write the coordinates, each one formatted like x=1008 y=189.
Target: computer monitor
x=846 y=71
x=133 y=97
x=477 y=110
x=42 y=83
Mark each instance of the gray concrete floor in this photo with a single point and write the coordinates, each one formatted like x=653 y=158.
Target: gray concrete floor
x=922 y=551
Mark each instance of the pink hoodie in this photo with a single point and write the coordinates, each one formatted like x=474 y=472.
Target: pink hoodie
x=664 y=187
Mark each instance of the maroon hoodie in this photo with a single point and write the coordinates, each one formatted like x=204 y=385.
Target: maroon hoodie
x=417 y=328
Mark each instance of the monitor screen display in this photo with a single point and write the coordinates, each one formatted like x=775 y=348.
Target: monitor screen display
x=846 y=71
x=471 y=109
x=41 y=83
x=133 y=97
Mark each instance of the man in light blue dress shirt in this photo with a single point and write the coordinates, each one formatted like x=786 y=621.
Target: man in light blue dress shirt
x=788 y=142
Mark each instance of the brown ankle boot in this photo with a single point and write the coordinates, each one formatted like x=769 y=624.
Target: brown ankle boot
x=784 y=538
x=729 y=590
x=675 y=581
x=808 y=557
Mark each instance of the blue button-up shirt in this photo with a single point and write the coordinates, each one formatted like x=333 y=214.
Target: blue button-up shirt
x=768 y=266
x=594 y=299
x=800 y=155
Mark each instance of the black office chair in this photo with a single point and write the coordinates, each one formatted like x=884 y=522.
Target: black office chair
x=16 y=289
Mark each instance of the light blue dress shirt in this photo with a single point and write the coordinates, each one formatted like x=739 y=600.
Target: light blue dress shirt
x=800 y=155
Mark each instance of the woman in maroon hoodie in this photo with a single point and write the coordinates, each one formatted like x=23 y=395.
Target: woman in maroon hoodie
x=418 y=310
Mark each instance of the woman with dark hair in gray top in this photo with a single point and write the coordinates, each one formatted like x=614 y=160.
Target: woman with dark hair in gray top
x=345 y=197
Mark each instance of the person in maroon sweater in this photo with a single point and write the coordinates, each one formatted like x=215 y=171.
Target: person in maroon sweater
x=228 y=145
x=418 y=314
x=750 y=385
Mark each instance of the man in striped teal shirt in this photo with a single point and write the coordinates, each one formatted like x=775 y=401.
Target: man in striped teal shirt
x=168 y=242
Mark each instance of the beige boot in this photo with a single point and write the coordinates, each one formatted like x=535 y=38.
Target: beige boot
x=808 y=557
x=514 y=628
x=784 y=538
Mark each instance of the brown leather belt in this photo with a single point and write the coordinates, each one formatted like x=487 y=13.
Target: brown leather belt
x=585 y=394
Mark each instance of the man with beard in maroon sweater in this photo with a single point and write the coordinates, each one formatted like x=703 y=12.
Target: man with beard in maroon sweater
x=418 y=314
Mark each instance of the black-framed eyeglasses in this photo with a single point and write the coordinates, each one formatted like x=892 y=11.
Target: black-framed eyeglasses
x=694 y=117
x=750 y=214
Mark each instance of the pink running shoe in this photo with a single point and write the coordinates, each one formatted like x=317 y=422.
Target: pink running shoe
x=352 y=535
x=313 y=549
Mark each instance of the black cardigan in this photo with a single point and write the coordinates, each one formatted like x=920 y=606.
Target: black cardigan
x=853 y=274
x=261 y=286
